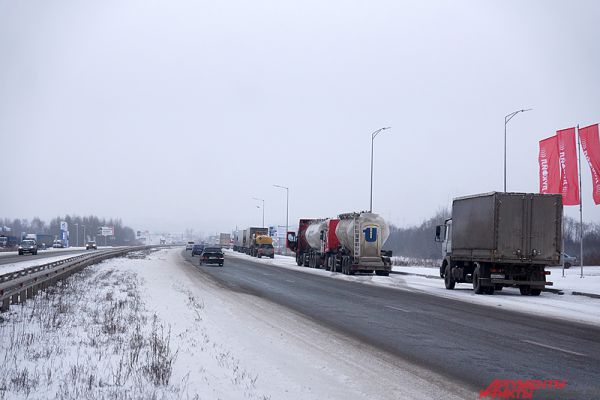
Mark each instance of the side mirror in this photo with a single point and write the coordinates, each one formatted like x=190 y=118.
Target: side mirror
x=438 y=233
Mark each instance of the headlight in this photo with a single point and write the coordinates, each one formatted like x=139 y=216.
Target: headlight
x=20 y=247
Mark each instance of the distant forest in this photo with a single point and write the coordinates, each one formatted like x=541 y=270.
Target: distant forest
x=124 y=235
x=418 y=241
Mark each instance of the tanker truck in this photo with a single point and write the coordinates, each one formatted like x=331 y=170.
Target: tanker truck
x=362 y=236
x=297 y=242
x=352 y=242
x=495 y=240
x=321 y=244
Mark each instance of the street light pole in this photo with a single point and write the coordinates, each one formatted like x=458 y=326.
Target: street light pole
x=83 y=232
x=77 y=228
x=506 y=119
x=263 y=209
x=287 y=211
x=373 y=135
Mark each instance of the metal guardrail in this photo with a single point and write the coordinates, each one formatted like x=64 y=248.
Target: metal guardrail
x=18 y=286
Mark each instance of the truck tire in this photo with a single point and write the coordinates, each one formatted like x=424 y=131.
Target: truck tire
x=477 y=287
x=326 y=263
x=525 y=290
x=449 y=281
x=273 y=256
x=489 y=290
x=535 y=292
x=567 y=265
x=443 y=269
x=299 y=259
x=382 y=273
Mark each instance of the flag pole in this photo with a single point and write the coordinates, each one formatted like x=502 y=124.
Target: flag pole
x=580 y=207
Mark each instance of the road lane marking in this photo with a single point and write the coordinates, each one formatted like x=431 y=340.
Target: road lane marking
x=554 y=348
x=398 y=309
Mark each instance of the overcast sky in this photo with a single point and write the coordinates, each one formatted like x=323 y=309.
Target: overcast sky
x=173 y=114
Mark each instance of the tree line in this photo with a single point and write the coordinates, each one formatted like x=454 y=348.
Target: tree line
x=123 y=235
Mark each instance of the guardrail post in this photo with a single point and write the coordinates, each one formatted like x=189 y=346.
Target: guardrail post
x=30 y=292
x=5 y=305
x=22 y=296
x=14 y=299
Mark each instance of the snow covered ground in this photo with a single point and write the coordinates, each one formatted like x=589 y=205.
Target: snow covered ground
x=567 y=306
x=31 y=262
x=154 y=327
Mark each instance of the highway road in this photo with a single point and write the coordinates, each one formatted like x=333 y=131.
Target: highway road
x=468 y=343
x=14 y=257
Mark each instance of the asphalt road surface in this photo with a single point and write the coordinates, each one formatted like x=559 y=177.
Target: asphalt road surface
x=468 y=343
x=14 y=257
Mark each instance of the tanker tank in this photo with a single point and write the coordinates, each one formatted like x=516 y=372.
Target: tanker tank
x=313 y=234
x=372 y=240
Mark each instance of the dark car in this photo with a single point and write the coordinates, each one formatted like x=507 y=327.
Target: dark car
x=265 y=250
x=197 y=249
x=91 y=245
x=212 y=255
x=28 y=246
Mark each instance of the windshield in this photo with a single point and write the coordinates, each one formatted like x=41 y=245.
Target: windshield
x=212 y=250
x=28 y=243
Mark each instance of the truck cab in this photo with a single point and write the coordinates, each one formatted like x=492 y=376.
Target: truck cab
x=443 y=234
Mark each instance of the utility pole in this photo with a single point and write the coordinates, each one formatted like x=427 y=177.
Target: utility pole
x=287 y=211
x=373 y=135
x=506 y=119
x=263 y=210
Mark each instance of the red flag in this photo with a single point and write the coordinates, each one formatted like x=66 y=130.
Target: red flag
x=590 y=144
x=567 y=153
x=549 y=166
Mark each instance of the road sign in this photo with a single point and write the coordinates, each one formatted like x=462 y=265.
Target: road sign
x=107 y=231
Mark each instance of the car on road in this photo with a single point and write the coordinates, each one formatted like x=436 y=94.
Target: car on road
x=197 y=249
x=28 y=246
x=212 y=255
x=189 y=246
x=58 y=244
x=91 y=244
x=265 y=250
x=568 y=260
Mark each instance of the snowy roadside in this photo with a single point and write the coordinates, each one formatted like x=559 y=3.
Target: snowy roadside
x=567 y=306
x=155 y=327
x=27 y=263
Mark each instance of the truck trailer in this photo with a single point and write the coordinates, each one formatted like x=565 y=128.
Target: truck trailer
x=494 y=240
x=248 y=246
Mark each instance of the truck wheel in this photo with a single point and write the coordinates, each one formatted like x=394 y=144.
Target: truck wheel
x=477 y=287
x=443 y=269
x=449 y=279
x=489 y=290
x=567 y=265
x=259 y=255
x=382 y=273
x=535 y=292
x=326 y=264
x=299 y=260
x=273 y=256
x=525 y=290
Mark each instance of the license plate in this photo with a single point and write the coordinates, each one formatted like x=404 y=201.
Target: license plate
x=497 y=276
x=213 y=258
